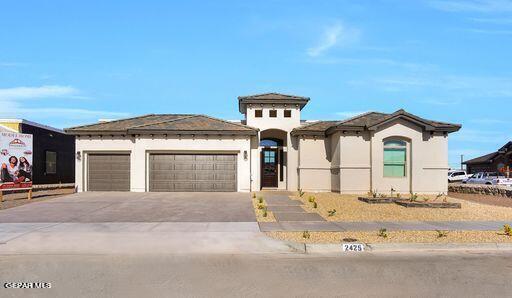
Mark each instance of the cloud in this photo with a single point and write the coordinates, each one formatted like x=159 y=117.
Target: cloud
x=481 y=136
x=491 y=121
x=480 y=6
x=18 y=102
x=350 y=114
x=334 y=35
x=490 y=32
x=497 y=21
x=17 y=93
x=464 y=86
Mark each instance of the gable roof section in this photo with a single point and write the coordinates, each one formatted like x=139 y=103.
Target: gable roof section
x=165 y=124
x=272 y=97
x=372 y=121
x=314 y=129
x=488 y=158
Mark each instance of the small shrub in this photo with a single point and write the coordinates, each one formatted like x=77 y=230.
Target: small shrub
x=311 y=199
x=382 y=195
x=331 y=212
x=315 y=205
x=306 y=235
x=265 y=212
x=260 y=200
x=441 y=234
x=383 y=233
x=301 y=193
x=374 y=194
x=414 y=197
x=438 y=196
x=426 y=199
x=261 y=206
x=507 y=230
x=254 y=195
x=398 y=195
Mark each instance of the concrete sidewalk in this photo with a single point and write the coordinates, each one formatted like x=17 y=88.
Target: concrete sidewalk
x=318 y=226
x=138 y=238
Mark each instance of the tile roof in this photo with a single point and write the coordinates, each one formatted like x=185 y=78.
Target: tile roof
x=165 y=123
x=371 y=121
x=482 y=159
x=273 y=96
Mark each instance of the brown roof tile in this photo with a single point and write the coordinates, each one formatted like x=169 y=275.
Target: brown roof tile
x=166 y=123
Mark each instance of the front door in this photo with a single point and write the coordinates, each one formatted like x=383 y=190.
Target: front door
x=269 y=168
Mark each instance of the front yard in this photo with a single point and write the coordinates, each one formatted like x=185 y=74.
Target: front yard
x=338 y=207
x=395 y=237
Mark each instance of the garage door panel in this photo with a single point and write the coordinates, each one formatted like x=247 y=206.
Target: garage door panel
x=108 y=172
x=192 y=172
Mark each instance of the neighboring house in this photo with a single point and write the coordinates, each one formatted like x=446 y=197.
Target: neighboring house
x=270 y=149
x=54 y=151
x=492 y=162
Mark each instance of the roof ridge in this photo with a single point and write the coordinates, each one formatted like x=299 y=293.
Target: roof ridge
x=359 y=116
x=166 y=121
x=118 y=120
x=272 y=93
x=313 y=123
x=233 y=123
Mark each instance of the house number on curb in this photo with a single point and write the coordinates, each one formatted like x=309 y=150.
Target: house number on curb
x=353 y=247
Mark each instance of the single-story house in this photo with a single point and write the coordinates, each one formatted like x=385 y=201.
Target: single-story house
x=53 y=151
x=271 y=148
x=492 y=162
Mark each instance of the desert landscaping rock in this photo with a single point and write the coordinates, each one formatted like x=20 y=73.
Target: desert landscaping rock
x=386 y=200
x=414 y=204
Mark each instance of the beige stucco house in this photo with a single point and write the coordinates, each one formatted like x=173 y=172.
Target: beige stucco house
x=272 y=148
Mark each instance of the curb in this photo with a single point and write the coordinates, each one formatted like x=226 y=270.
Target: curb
x=397 y=247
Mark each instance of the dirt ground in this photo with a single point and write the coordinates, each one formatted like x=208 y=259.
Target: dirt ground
x=483 y=199
x=20 y=198
x=349 y=208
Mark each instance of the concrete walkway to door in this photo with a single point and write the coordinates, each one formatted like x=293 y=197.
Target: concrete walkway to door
x=136 y=207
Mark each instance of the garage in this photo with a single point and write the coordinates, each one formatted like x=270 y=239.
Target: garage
x=108 y=172
x=192 y=172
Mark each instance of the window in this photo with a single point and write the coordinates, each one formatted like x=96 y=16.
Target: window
x=287 y=113
x=51 y=162
x=272 y=113
x=394 y=158
x=258 y=113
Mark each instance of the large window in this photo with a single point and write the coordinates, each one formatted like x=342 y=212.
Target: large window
x=395 y=156
x=51 y=162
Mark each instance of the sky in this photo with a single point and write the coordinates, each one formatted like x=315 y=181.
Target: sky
x=66 y=63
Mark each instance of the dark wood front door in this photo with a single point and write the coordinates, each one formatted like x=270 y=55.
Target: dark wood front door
x=269 y=168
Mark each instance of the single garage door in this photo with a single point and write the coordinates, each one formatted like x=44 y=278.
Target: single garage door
x=108 y=172
x=192 y=172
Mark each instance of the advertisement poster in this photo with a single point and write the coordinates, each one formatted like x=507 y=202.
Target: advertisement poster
x=15 y=160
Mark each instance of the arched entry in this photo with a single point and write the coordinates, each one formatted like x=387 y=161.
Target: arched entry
x=273 y=158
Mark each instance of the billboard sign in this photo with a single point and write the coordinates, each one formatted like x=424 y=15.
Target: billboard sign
x=15 y=160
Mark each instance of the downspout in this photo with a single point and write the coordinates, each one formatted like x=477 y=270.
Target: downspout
x=371 y=160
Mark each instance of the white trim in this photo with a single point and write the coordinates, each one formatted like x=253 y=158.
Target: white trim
x=23 y=121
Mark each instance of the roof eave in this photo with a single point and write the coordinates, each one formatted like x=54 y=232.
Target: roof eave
x=192 y=132
x=243 y=101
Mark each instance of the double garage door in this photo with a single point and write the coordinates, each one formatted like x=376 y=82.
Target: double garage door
x=192 y=172
x=167 y=172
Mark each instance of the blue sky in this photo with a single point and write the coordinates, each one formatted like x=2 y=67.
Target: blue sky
x=65 y=63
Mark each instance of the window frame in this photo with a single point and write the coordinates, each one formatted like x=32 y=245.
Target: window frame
x=394 y=147
x=272 y=113
x=46 y=172
x=258 y=113
x=287 y=113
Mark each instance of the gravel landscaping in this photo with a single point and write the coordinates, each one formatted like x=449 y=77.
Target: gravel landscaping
x=260 y=212
x=349 y=208
x=395 y=237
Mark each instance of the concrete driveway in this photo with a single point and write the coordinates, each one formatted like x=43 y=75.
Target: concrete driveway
x=97 y=207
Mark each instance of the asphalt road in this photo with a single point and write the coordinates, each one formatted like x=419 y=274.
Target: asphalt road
x=454 y=274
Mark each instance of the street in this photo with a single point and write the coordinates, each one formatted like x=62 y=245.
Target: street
x=411 y=274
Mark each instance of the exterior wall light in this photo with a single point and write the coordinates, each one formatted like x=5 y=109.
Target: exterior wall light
x=78 y=155
x=245 y=154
